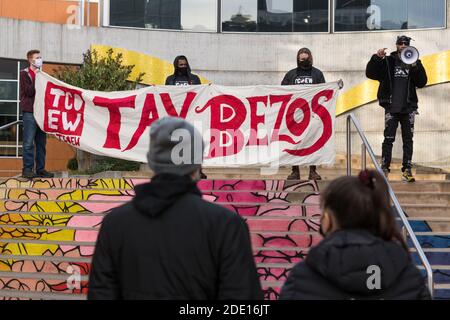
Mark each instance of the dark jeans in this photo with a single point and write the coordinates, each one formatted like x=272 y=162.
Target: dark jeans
x=391 y=121
x=297 y=168
x=34 y=139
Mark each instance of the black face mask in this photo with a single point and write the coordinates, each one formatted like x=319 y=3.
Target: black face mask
x=304 y=64
x=183 y=71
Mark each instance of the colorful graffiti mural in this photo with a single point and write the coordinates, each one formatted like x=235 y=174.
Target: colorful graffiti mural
x=49 y=227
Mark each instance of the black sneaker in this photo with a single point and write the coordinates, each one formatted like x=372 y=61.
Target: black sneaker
x=44 y=174
x=28 y=174
x=313 y=175
x=295 y=175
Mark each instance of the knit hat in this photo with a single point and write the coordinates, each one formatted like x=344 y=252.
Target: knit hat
x=175 y=147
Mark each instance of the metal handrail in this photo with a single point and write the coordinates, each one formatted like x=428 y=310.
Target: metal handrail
x=6 y=126
x=366 y=147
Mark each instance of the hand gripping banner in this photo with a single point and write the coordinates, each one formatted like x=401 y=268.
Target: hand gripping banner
x=241 y=126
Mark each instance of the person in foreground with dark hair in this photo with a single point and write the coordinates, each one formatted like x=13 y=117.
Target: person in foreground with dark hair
x=362 y=255
x=169 y=243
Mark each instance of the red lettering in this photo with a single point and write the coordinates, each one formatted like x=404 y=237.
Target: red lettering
x=297 y=128
x=256 y=119
x=64 y=110
x=149 y=115
x=325 y=117
x=228 y=113
x=168 y=104
x=284 y=99
x=113 y=106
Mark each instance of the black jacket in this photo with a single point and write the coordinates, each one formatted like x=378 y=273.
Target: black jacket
x=169 y=243
x=192 y=78
x=382 y=70
x=316 y=74
x=338 y=269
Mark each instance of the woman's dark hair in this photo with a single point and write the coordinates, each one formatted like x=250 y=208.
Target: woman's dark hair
x=362 y=203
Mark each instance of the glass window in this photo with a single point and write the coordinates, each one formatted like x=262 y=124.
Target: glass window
x=310 y=16
x=366 y=15
x=8 y=108
x=275 y=15
x=197 y=15
x=426 y=14
x=163 y=14
x=8 y=136
x=8 y=69
x=8 y=90
x=239 y=15
x=127 y=13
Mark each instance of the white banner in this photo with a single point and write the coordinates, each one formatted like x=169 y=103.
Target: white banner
x=241 y=126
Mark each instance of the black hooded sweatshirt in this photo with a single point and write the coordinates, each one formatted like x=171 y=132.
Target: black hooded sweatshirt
x=180 y=79
x=383 y=70
x=337 y=268
x=169 y=243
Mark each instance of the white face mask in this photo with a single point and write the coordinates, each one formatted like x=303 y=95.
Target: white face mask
x=38 y=63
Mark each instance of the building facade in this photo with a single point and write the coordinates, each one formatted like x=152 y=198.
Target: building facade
x=248 y=42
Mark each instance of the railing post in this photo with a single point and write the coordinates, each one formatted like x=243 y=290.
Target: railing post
x=349 y=147
x=404 y=234
x=363 y=157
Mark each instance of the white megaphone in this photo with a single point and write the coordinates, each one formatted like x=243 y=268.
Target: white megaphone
x=409 y=55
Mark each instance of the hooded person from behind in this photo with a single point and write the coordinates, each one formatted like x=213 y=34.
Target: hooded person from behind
x=169 y=243
x=182 y=75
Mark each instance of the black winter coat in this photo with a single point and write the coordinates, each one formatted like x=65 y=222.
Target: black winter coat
x=337 y=268
x=382 y=70
x=169 y=243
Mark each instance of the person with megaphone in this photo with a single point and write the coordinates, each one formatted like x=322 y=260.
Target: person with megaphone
x=399 y=74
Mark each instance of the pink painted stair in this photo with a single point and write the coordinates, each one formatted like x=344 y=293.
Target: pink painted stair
x=48 y=227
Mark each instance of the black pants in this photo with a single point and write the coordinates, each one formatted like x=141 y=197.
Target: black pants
x=391 y=121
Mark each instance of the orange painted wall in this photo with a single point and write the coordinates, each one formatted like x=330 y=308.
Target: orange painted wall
x=54 y=11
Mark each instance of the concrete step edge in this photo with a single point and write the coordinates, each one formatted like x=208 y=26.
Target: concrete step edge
x=40 y=275
x=9 y=293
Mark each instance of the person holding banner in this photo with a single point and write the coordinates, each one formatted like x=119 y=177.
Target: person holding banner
x=34 y=139
x=305 y=73
x=397 y=95
x=182 y=76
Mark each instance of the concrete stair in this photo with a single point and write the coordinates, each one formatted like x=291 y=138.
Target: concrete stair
x=48 y=227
